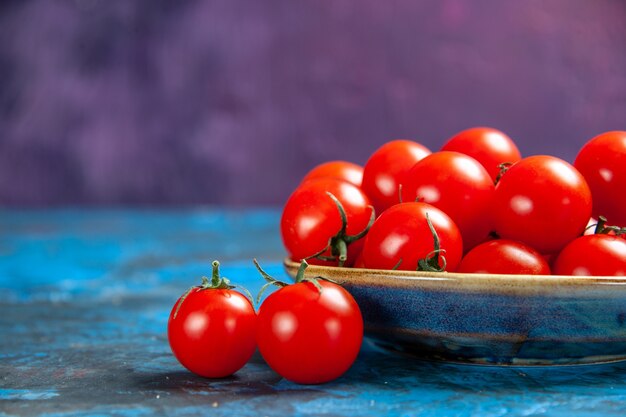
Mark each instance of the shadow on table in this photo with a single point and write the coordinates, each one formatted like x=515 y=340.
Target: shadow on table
x=377 y=369
x=380 y=367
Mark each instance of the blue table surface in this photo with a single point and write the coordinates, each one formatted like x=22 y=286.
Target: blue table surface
x=84 y=301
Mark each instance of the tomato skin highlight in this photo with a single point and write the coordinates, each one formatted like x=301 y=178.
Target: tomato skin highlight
x=459 y=186
x=401 y=233
x=341 y=170
x=490 y=147
x=597 y=255
x=213 y=332
x=311 y=218
x=503 y=256
x=541 y=201
x=602 y=161
x=308 y=336
x=385 y=169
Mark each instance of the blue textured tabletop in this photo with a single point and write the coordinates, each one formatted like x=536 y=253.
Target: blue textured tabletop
x=84 y=302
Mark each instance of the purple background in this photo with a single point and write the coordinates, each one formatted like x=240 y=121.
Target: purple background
x=231 y=102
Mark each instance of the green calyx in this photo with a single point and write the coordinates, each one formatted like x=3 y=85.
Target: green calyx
x=504 y=167
x=338 y=244
x=602 y=229
x=431 y=261
x=216 y=282
x=270 y=280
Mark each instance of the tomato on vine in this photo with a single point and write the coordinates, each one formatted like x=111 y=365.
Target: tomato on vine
x=541 y=201
x=309 y=332
x=488 y=146
x=323 y=218
x=211 y=329
x=412 y=236
x=384 y=170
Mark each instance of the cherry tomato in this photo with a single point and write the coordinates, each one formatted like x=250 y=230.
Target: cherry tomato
x=488 y=146
x=386 y=167
x=602 y=161
x=308 y=333
x=597 y=255
x=541 y=201
x=401 y=236
x=503 y=256
x=311 y=222
x=359 y=263
x=341 y=170
x=458 y=185
x=211 y=329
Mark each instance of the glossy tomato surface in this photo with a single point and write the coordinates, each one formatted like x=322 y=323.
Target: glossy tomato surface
x=341 y=170
x=593 y=255
x=310 y=336
x=488 y=146
x=459 y=186
x=541 y=201
x=311 y=217
x=503 y=256
x=602 y=161
x=385 y=169
x=212 y=331
x=401 y=237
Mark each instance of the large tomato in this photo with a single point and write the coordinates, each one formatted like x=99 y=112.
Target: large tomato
x=602 y=161
x=458 y=185
x=309 y=332
x=341 y=170
x=312 y=223
x=541 y=201
x=401 y=237
x=488 y=146
x=211 y=329
x=599 y=254
x=386 y=167
x=503 y=256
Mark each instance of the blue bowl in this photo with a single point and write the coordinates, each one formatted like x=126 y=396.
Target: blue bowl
x=489 y=319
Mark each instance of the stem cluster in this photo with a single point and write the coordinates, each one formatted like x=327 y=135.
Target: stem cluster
x=338 y=244
x=270 y=280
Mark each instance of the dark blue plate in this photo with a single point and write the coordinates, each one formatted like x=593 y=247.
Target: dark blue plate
x=489 y=319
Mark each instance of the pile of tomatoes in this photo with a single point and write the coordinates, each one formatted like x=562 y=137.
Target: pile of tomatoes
x=474 y=206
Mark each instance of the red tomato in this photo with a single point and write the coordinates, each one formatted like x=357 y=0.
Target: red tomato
x=359 y=261
x=458 y=185
x=309 y=335
x=384 y=170
x=401 y=236
x=541 y=201
x=341 y=170
x=488 y=146
x=593 y=255
x=211 y=329
x=602 y=161
x=311 y=222
x=504 y=257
